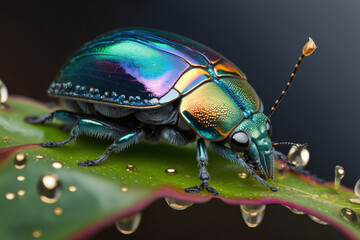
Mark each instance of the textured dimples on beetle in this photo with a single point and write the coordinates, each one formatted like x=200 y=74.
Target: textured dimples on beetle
x=133 y=84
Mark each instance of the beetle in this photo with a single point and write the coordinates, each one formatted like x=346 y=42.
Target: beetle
x=133 y=84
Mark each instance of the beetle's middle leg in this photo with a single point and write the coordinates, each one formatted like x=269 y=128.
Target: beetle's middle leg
x=204 y=176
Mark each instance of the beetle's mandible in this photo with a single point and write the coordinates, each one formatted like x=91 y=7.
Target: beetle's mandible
x=133 y=84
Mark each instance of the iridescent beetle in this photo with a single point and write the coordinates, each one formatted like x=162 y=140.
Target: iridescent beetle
x=131 y=84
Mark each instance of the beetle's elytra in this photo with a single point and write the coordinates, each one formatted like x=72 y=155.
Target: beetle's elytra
x=133 y=84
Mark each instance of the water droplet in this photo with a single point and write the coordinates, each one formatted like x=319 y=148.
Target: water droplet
x=21 y=193
x=128 y=225
x=130 y=168
x=36 y=233
x=350 y=216
x=57 y=165
x=58 y=211
x=6 y=139
x=170 y=171
x=339 y=174
x=354 y=199
x=39 y=156
x=252 y=214
x=357 y=188
x=298 y=155
x=3 y=92
x=20 y=161
x=124 y=189
x=20 y=178
x=243 y=175
x=10 y=196
x=294 y=210
x=178 y=204
x=315 y=219
x=72 y=188
x=49 y=188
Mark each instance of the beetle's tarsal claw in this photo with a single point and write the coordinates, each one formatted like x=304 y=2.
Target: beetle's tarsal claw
x=211 y=190
x=274 y=189
x=195 y=189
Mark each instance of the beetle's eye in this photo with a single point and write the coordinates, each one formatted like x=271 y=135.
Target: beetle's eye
x=268 y=127
x=239 y=142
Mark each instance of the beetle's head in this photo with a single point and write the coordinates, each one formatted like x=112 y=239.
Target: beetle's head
x=252 y=137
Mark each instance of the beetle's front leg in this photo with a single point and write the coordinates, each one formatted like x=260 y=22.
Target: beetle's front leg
x=204 y=176
x=234 y=157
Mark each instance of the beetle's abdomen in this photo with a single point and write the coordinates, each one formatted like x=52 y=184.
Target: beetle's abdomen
x=210 y=112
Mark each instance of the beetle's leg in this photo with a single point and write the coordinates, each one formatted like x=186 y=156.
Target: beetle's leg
x=64 y=116
x=204 y=176
x=229 y=155
x=282 y=158
x=86 y=126
x=119 y=145
x=234 y=157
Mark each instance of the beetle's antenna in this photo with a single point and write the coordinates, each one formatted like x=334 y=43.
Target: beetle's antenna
x=308 y=49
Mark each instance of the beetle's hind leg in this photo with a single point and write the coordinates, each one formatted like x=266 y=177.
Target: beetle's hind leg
x=204 y=175
x=120 y=144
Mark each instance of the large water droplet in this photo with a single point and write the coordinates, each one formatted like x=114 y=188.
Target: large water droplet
x=298 y=155
x=357 y=188
x=49 y=188
x=178 y=204
x=128 y=225
x=294 y=210
x=252 y=214
x=3 y=93
x=350 y=216
x=339 y=174
x=315 y=219
x=20 y=160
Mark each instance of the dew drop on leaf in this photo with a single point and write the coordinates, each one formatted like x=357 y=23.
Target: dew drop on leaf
x=20 y=178
x=72 y=188
x=130 y=168
x=170 y=171
x=315 y=219
x=57 y=165
x=49 y=188
x=350 y=216
x=128 y=225
x=178 y=204
x=3 y=93
x=252 y=214
x=339 y=174
x=357 y=188
x=36 y=233
x=20 y=161
x=10 y=196
x=294 y=210
x=299 y=156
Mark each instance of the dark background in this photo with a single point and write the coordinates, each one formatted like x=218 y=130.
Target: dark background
x=264 y=38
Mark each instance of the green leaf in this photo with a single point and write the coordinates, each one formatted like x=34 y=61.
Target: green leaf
x=107 y=192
